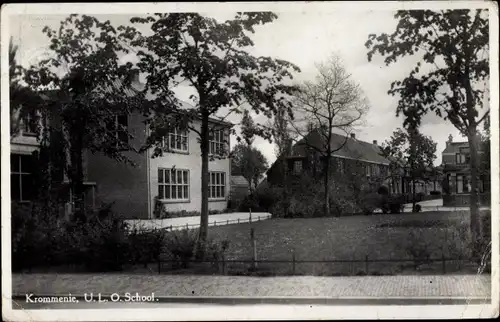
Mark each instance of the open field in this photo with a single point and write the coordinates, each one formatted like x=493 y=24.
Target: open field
x=347 y=238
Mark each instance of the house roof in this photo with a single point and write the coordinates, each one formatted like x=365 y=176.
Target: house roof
x=133 y=90
x=352 y=149
x=454 y=147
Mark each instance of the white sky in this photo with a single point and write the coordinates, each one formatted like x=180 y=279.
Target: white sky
x=303 y=39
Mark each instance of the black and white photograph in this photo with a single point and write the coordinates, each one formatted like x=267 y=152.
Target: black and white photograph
x=243 y=161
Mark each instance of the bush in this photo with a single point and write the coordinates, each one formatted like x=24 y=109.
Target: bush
x=369 y=202
x=396 y=204
x=419 y=247
x=181 y=248
x=435 y=193
x=262 y=200
x=146 y=246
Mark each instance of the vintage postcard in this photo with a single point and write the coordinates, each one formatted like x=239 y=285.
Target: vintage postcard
x=250 y=161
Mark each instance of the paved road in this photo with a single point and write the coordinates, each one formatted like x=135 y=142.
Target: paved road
x=194 y=221
x=279 y=286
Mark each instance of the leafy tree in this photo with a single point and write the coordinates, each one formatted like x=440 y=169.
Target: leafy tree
x=333 y=102
x=450 y=77
x=249 y=162
x=412 y=154
x=211 y=58
x=283 y=137
x=84 y=91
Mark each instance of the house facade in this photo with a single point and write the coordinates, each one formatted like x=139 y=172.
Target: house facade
x=456 y=170
x=355 y=157
x=172 y=179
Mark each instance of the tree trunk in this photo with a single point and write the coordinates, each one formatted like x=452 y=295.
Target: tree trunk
x=475 y=224
x=76 y=152
x=413 y=197
x=327 y=185
x=204 y=144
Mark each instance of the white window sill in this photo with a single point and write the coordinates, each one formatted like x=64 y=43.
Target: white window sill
x=216 y=199
x=169 y=201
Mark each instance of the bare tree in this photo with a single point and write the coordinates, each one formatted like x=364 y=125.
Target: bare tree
x=333 y=102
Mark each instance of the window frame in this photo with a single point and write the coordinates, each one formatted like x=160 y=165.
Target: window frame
x=26 y=122
x=19 y=173
x=222 y=185
x=177 y=133
x=213 y=141
x=172 y=184
x=115 y=127
x=297 y=170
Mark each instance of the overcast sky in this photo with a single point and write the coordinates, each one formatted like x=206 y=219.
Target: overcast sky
x=302 y=38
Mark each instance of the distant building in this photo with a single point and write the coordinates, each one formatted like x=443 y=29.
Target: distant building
x=355 y=156
x=456 y=170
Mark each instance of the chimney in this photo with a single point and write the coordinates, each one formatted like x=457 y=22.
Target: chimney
x=450 y=140
x=353 y=136
x=375 y=142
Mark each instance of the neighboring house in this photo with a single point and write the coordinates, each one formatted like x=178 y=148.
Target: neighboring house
x=355 y=156
x=174 y=179
x=239 y=189
x=456 y=171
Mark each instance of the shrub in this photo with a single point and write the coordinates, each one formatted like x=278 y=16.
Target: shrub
x=181 y=247
x=36 y=235
x=383 y=190
x=420 y=196
x=435 y=193
x=419 y=247
x=417 y=208
x=396 y=204
x=146 y=246
x=369 y=202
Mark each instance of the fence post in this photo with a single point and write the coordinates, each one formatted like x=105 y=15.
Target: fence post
x=215 y=223
x=238 y=220
x=258 y=218
x=250 y=218
x=227 y=223
x=254 y=248
x=187 y=226
x=366 y=264
x=223 y=265
x=444 y=263
x=293 y=261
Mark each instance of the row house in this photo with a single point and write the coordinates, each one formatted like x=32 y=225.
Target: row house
x=355 y=157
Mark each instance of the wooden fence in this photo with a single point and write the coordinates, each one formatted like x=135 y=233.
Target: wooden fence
x=250 y=219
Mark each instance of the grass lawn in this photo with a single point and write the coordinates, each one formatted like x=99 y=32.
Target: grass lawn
x=345 y=238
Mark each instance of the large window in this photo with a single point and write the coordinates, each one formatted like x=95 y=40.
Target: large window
x=119 y=128
x=217 y=185
x=177 y=140
x=173 y=184
x=21 y=177
x=216 y=146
